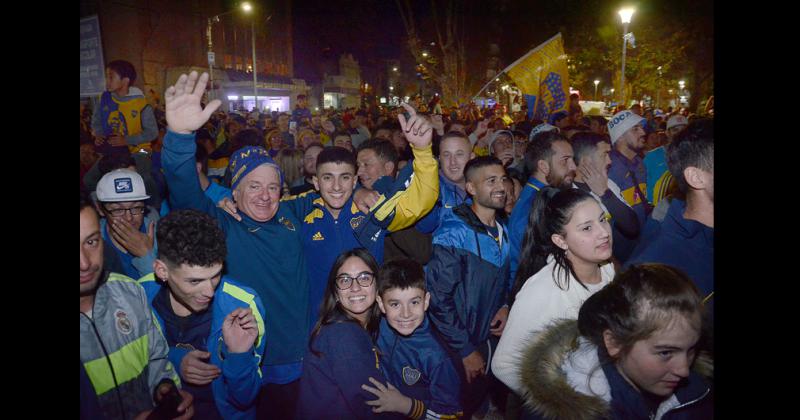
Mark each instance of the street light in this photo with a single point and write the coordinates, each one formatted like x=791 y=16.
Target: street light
x=682 y=84
x=624 y=14
x=596 y=82
x=424 y=53
x=245 y=7
x=394 y=68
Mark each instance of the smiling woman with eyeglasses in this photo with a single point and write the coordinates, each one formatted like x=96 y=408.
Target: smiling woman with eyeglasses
x=342 y=354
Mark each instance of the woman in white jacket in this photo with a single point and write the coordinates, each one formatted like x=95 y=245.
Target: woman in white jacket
x=564 y=260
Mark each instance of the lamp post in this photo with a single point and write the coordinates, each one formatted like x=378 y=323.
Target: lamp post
x=658 y=92
x=624 y=14
x=246 y=7
x=596 y=82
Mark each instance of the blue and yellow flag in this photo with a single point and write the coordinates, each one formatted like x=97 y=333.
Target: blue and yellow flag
x=542 y=77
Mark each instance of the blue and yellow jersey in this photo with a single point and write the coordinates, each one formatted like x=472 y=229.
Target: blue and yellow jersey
x=123 y=116
x=402 y=202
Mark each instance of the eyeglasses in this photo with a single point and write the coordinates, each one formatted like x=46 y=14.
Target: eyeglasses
x=364 y=279
x=135 y=211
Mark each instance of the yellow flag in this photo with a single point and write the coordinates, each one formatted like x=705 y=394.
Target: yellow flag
x=542 y=77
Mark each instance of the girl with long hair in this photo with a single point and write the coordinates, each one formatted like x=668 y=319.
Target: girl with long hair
x=342 y=355
x=564 y=260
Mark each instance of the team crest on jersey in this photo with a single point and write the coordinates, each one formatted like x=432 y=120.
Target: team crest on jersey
x=410 y=375
x=123 y=324
x=286 y=222
x=356 y=221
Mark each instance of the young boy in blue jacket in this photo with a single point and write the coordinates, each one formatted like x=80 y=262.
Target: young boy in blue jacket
x=213 y=325
x=413 y=357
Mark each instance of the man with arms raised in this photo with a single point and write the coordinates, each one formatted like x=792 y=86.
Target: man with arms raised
x=264 y=249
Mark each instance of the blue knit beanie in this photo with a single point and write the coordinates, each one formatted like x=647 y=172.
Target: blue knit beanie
x=244 y=160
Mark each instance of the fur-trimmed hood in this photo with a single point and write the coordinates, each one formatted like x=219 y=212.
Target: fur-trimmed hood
x=563 y=379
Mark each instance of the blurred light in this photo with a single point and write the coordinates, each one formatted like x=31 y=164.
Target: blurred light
x=383 y=100
x=424 y=53
x=316 y=108
x=625 y=14
x=394 y=68
x=246 y=6
x=596 y=82
x=233 y=98
x=391 y=87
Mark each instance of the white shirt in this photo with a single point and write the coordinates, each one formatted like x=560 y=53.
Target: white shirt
x=539 y=302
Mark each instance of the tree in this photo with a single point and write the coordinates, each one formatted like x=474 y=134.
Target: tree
x=680 y=44
x=448 y=69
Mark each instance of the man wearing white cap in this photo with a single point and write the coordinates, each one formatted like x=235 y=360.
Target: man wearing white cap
x=658 y=175
x=627 y=167
x=127 y=223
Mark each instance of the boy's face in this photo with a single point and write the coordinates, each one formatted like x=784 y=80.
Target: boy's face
x=404 y=308
x=113 y=81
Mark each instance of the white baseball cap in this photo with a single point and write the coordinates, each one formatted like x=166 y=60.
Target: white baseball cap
x=541 y=127
x=121 y=185
x=496 y=135
x=676 y=120
x=621 y=122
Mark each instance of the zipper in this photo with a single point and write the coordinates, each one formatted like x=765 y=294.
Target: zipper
x=685 y=404
x=105 y=353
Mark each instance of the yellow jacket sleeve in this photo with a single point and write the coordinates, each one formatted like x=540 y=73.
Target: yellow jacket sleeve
x=415 y=201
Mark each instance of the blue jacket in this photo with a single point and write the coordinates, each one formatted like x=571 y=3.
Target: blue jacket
x=236 y=389
x=694 y=399
x=518 y=221
x=468 y=279
x=419 y=366
x=685 y=244
x=658 y=175
x=450 y=195
x=330 y=387
x=403 y=201
x=267 y=257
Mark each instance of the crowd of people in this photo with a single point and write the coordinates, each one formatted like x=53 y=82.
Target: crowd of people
x=412 y=261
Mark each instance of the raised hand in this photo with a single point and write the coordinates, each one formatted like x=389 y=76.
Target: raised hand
x=239 y=330
x=417 y=128
x=184 y=113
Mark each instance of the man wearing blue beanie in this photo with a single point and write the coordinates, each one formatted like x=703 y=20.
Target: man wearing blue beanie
x=264 y=249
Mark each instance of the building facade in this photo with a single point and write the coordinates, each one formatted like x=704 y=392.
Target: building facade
x=165 y=39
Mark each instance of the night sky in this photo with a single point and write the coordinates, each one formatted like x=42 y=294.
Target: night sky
x=372 y=30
